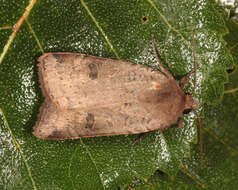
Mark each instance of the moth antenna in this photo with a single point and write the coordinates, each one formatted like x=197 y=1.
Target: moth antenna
x=194 y=87
x=194 y=62
x=164 y=71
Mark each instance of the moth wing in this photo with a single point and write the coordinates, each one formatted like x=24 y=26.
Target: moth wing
x=90 y=96
x=127 y=118
x=74 y=81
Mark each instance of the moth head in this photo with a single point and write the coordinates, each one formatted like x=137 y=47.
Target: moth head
x=190 y=103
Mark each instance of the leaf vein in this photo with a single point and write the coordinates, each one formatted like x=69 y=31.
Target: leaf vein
x=17 y=145
x=233 y=47
x=35 y=36
x=5 y=27
x=194 y=178
x=166 y=21
x=100 y=28
x=16 y=28
x=70 y=164
x=233 y=90
x=220 y=140
x=94 y=163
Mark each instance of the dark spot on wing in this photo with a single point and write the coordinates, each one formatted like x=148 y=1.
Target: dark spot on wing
x=56 y=135
x=93 y=71
x=127 y=105
x=90 y=121
x=44 y=65
x=59 y=58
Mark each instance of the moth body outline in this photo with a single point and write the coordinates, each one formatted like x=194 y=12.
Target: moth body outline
x=88 y=96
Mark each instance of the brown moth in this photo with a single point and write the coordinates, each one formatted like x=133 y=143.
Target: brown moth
x=88 y=96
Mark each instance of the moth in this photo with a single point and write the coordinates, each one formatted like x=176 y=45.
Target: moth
x=88 y=96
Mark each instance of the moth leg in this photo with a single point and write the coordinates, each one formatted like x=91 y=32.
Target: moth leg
x=180 y=123
x=164 y=71
x=141 y=136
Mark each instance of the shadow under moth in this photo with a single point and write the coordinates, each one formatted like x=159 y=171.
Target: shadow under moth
x=88 y=96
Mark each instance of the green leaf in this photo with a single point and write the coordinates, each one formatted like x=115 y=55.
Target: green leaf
x=106 y=28
x=220 y=164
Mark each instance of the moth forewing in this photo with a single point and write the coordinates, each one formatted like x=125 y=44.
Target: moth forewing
x=87 y=96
